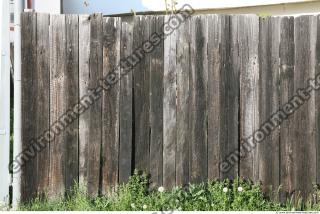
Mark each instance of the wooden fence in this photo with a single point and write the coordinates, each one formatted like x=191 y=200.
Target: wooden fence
x=179 y=112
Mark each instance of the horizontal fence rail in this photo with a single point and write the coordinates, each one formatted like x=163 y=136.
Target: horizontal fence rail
x=221 y=96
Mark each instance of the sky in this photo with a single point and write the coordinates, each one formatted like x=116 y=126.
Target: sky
x=103 y=6
x=125 y=6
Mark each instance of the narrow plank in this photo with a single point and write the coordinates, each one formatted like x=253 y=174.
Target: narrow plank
x=156 y=102
x=29 y=89
x=169 y=110
x=43 y=98
x=72 y=98
x=198 y=99
x=95 y=111
x=141 y=95
x=317 y=97
x=215 y=90
x=126 y=101
x=183 y=90
x=229 y=99
x=269 y=102
x=286 y=55
x=248 y=33
x=84 y=70
x=110 y=104
x=304 y=119
x=58 y=100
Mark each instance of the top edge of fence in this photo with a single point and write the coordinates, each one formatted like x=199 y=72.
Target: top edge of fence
x=141 y=14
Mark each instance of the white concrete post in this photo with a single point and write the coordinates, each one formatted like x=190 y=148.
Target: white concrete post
x=4 y=101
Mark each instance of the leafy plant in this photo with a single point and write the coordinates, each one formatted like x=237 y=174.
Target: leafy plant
x=136 y=195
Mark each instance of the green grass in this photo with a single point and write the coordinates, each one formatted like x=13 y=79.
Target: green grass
x=137 y=196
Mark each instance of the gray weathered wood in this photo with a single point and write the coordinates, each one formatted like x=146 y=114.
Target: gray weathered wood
x=317 y=98
x=29 y=91
x=183 y=104
x=156 y=102
x=110 y=105
x=304 y=147
x=58 y=88
x=215 y=96
x=95 y=111
x=126 y=102
x=286 y=55
x=198 y=99
x=141 y=95
x=248 y=34
x=269 y=148
x=169 y=110
x=229 y=101
x=71 y=99
x=42 y=119
x=84 y=68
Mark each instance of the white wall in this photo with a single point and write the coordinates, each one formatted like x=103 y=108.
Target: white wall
x=47 y=6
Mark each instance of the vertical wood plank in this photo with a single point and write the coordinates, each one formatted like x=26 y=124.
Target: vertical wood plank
x=169 y=109
x=141 y=95
x=183 y=90
x=84 y=70
x=304 y=119
x=229 y=100
x=43 y=98
x=317 y=99
x=156 y=102
x=91 y=67
x=110 y=105
x=269 y=102
x=198 y=100
x=71 y=99
x=95 y=111
x=248 y=33
x=58 y=86
x=215 y=89
x=29 y=89
x=286 y=55
x=126 y=101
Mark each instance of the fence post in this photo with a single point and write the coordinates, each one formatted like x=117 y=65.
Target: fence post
x=5 y=102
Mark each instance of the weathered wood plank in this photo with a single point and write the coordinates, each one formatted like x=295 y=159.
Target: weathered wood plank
x=304 y=119
x=198 y=99
x=248 y=34
x=156 y=102
x=71 y=99
x=110 y=105
x=43 y=98
x=84 y=70
x=229 y=100
x=317 y=98
x=169 y=110
x=183 y=91
x=215 y=90
x=58 y=87
x=126 y=101
x=286 y=55
x=95 y=111
x=29 y=89
x=141 y=95
x=269 y=147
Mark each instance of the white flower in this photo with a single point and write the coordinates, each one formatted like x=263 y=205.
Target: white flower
x=161 y=189
x=225 y=189
x=240 y=189
x=144 y=206
x=133 y=205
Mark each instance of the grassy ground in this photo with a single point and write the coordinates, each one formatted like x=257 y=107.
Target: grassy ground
x=136 y=196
